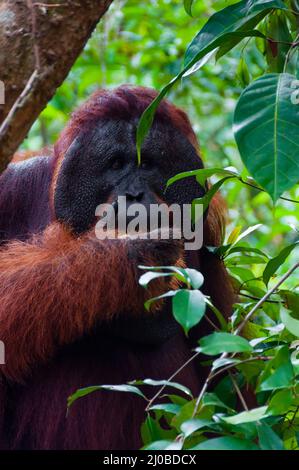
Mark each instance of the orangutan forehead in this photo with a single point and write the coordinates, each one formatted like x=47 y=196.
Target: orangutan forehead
x=162 y=138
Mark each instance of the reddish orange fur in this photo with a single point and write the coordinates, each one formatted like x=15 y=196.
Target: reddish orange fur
x=54 y=289
x=217 y=282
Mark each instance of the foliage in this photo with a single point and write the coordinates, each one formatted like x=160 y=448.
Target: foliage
x=245 y=56
x=143 y=43
x=257 y=348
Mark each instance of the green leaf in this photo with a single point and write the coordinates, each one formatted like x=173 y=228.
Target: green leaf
x=234 y=235
x=151 y=431
x=266 y=126
x=246 y=232
x=200 y=63
x=268 y=439
x=218 y=314
x=217 y=343
x=160 y=383
x=224 y=361
x=171 y=408
x=174 y=269
x=149 y=302
x=186 y=413
x=243 y=73
x=277 y=49
x=229 y=41
x=274 y=263
x=278 y=372
x=211 y=399
x=163 y=445
x=226 y=443
x=82 y=392
x=191 y=425
x=291 y=299
x=191 y=277
x=201 y=175
x=247 y=416
x=243 y=249
x=182 y=274
x=147 y=117
x=235 y=39
x=188 y=6
x=281 y=402
x=232 y=19
x=146 y=278
x=189 y=307
x=295 y=357
x=234 y=238
x=206 y=199
x=290 y=323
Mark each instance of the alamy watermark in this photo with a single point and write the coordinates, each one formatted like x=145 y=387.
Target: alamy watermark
x=157 y=221
x=295 y=94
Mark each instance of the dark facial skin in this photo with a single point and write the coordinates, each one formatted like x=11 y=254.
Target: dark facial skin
x=102 y=165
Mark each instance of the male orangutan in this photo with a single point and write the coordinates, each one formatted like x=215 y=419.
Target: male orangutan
x=71 y=310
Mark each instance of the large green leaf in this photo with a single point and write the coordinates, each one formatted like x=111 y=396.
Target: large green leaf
x=221 y=28
x=266 y=126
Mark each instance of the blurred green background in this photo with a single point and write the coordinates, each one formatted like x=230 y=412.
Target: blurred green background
x=143 y=43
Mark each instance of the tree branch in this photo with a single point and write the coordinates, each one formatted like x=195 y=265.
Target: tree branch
x=37 y=52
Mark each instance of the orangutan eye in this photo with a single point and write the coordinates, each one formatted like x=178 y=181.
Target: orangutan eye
x=117 y=164
x=145 y=165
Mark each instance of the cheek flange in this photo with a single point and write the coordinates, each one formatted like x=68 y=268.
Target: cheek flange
x=78 y=191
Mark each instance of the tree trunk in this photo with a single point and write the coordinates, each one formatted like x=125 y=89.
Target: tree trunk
x=39 y=42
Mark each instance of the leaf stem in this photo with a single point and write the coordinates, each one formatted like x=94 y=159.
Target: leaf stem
x=258 y=298
x=261 y=189
x=265 y=298
x=151 y=401
x=238 y=391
